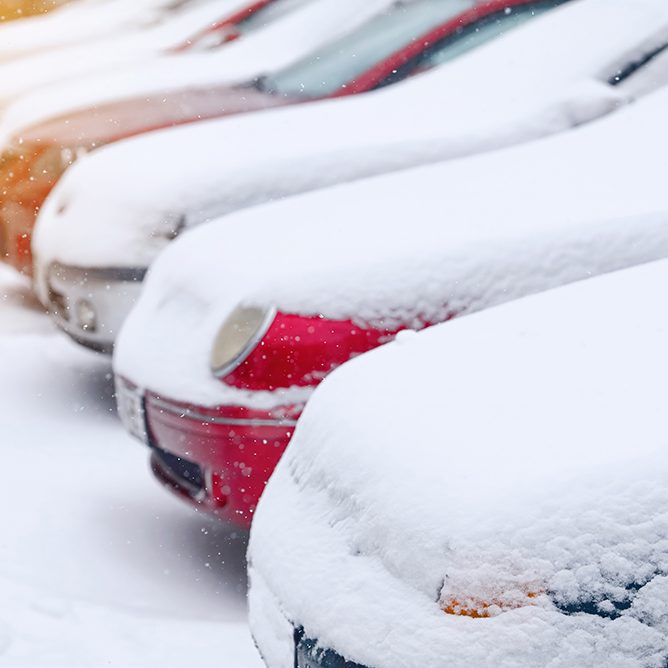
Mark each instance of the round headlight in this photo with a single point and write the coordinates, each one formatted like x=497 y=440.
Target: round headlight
x=240 y=333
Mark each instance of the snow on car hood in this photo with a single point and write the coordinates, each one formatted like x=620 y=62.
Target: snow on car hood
x=411 y=247
x=522 y=448
x=24 y=75
x=80 y=21
x=268 y=48
x=491 y=97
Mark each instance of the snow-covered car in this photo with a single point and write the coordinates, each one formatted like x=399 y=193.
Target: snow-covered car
x=398 y=42
x=104 y=223
x=35 y=157
x=490 y=492
x=241 y=319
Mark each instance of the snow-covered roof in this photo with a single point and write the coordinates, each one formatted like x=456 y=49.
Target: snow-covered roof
x=517 y=451
x=269 y=47
x=409 y=247
x=126 y=45
x=79 y=21
x=545 y=76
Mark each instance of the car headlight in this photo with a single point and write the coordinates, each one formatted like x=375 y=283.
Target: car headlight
x=236 y=339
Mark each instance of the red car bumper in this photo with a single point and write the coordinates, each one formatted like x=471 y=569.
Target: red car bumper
x=218 y=459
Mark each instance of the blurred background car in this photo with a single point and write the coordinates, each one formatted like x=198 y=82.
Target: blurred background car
x=16 y=9
x=241 y=319
x=97 y=234
x=193 y=24
x=405 y=37
x=34 y=158
x=491 y=490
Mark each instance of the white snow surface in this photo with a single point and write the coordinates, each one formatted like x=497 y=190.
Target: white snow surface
x=112 y=207
x=98 y=565
x=270 y=47
x=521 y=449
x=23 y=76
x=408 y=248
x=77 y=22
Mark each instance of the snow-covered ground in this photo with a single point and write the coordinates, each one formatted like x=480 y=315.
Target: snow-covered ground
x=98 y=565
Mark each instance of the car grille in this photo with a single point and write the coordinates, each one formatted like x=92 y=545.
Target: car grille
x=185 y=473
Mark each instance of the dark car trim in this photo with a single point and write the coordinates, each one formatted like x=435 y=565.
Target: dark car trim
x=308 y=654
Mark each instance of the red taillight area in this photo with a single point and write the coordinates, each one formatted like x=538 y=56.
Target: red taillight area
x=236 y=449
x=301 y=350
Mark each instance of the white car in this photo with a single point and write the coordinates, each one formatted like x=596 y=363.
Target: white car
x=118 y=208
x=490 y=492
x=241 y=319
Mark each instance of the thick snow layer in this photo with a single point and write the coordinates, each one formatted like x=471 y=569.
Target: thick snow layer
x=517 y=450
x=98 y=565
x=78 y=21
x=409 y=248
x=114 y=206
x=24 y=75
x=268 y=48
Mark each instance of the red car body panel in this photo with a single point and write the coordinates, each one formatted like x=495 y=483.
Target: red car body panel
x=300 y=351
x=236 y=450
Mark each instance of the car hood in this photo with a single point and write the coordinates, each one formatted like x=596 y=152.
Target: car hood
x=410 y=248
x=520 y=449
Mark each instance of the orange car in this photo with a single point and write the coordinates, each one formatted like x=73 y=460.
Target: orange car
x=16 y=9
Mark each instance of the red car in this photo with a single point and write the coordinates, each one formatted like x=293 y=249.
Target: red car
x=399 y=42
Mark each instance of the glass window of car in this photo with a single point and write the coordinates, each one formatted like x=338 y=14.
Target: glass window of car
x=338 y=64
x=471 y=36
x=324 y=71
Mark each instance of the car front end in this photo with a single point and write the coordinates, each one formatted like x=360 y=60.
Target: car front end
x=215 y=459
x=91 y=304
x=220 y=457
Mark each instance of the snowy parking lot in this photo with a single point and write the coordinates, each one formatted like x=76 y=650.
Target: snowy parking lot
x=98 y=565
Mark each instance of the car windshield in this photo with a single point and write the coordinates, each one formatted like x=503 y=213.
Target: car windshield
x=338 y=64
x=473 y=35
x=326 y=70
